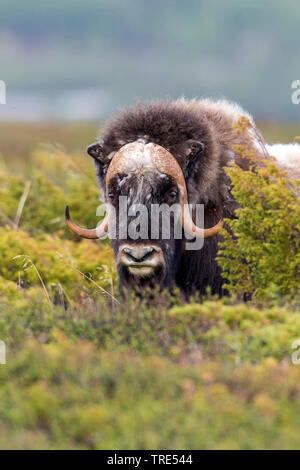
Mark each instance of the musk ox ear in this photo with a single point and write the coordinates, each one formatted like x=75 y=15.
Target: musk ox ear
x=192 y=148
x=95 y=150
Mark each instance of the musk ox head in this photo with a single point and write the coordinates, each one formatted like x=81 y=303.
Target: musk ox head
x=143 y=183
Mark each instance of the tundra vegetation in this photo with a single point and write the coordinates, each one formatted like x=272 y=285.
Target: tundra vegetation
x=86 y=369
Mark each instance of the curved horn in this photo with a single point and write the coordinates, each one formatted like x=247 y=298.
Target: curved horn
x=192 y=229
x=94 y=233
x=166 y=163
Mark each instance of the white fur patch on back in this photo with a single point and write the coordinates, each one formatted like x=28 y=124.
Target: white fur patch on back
x=287 y=157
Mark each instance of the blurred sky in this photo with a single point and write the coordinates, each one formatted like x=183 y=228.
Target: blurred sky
x=83 y=60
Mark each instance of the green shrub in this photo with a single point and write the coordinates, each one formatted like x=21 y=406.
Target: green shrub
x=75 y=176
x=43 y=208
x=261 y=254
x=55 y=180
x=49 y=260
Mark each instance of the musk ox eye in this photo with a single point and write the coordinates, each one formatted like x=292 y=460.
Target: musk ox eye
x=173 y=195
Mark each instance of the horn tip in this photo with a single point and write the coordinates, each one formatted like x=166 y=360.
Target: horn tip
x=67 y=213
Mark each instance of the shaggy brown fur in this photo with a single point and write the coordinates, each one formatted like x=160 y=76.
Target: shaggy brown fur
x=170 y=124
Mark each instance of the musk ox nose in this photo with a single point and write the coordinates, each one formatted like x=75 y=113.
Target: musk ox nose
x=141 y=260
x=138 y=254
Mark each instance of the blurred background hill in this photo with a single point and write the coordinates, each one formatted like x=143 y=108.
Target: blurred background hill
x=77 y=60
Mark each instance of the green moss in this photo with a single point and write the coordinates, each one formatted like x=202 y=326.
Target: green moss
x=69 y=395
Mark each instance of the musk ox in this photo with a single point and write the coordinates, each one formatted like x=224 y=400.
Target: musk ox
x=167 y=153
